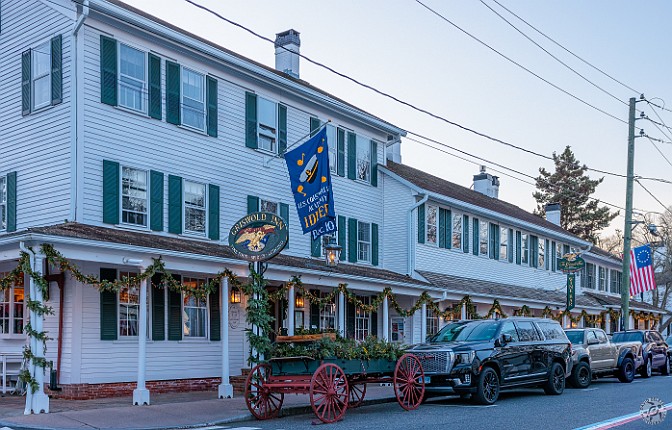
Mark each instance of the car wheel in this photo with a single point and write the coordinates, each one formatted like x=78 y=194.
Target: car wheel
x=581 y=375
x=487 y=390
x=665 y=370
x=556 y=380
x=646 y=370
x=626 y=373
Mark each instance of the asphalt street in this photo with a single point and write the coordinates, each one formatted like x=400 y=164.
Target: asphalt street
x=603 y=402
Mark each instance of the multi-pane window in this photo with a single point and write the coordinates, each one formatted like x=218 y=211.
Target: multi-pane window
x=362 y=320
x=195 y=310
x=132 y=78
x=193 y=99
x=268 y=124
x=558 y=255
x=268 y=206
x=430 y=225
x=194 y=207
x=602 y=278
x=332 y=144
x=541 y=262
x=3 y=203
x=589 y=271
x=129 y=306
x=432 y=323
x=11 y=308
x=483 y=237
x=613 y=274
x=503 y=243
x=457 y=231
x=134 y=196
x=524 y=249
x=328 y=316
x=41 y=75
x=363 y=241
x=363 y=159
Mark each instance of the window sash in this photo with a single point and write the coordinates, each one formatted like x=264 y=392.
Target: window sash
x=483 y=234
x=129 y=307
x=328 y=316
x=194 y=207
x=267 y=115
x=503 y=243
x=193 y=99
x=41 y=75
x=332 y=144
x=363 y=241
x=134 y=198
x=363 y=159
x=431 y=224
x=602 y=276
x=362 y=321
x=12 y=309
x=195 y=311
x=524 y=257
x=457 y=231
x=132 y=78
x=268 y=206
x=542 y=254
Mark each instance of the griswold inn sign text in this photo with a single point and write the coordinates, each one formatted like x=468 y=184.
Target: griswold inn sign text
x=258 y=236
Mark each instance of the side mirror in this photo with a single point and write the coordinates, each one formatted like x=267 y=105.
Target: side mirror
x=503 y=340
x=507 y=338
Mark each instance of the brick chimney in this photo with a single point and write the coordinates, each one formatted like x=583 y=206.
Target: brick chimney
x=487 y=184
x=287 y=46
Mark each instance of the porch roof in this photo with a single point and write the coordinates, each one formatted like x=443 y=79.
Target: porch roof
x=615 y=302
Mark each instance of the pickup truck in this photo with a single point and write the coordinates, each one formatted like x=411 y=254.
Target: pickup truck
x=656 y=353
x=594 y=355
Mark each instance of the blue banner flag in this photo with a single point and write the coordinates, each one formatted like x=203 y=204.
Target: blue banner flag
x=309 y=174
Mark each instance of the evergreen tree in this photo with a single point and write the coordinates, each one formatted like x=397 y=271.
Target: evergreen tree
x=571 y=187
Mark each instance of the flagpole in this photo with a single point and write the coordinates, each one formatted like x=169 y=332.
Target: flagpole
x=322 y=125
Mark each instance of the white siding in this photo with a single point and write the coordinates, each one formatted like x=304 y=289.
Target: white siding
x=398 y=198
x=36 y=146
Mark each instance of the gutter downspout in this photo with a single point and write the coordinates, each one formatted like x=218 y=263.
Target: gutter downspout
x=76 y=110
x=411 y=241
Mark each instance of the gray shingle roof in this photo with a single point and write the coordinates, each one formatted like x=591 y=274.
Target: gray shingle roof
x=615 y=302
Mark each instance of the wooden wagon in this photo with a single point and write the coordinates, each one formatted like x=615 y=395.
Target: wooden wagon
x=333 y=384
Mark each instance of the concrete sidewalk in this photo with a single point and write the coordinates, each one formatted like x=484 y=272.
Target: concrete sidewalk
x=169 y=410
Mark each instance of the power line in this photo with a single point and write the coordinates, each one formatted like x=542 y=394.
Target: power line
x=659 y=151
x=553 y=56
x=518 y=64
x=651 y=194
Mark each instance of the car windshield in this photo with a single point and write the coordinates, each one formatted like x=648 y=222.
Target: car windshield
x=576 y=337
x=630 y=336
x=467 y=331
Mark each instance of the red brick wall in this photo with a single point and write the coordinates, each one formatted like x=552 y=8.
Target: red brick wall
x=118 y=389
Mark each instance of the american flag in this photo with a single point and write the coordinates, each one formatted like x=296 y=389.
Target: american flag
x=641 y=270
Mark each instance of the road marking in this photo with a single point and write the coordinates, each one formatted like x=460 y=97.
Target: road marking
x=585 y=390
x=461 y=406
x=618 y=421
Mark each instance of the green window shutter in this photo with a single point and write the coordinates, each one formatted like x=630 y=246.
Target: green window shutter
x=374 y=244
x=108 y=71
x=158 y=306
x=442 y=228
x=108 y=307
x=282 y=129
x=11 y=201
x=175 y=312
x=374 y=163
x=509 y=246
x=314 y=126
x=553 y=257
x=251 y=120
x=421 y=223
x=352 y=155
x=342 y=238
x=314 y=311
x=315 y=247
x=154 y=72
x=449 y=229
x=25 y=82
x=340 y=152
x=173 y=111
x=56 y=70
x=465 y=234
x=284 y=214
x=156 y=200
x=495 y=241
x=565 y=250
x=211 y=103
x=252 y=204
x=534 y=251
x=476 y=236
x=213 y=212
x=111 y=186
x=374 y=320
x=519 y=247
x=215 y=318
x=349 y=320
x=352 y=240
x=174 y=204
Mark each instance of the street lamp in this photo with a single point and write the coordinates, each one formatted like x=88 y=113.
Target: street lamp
x=331 y=251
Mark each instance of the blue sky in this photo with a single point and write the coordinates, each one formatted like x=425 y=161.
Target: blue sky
x=403 y=49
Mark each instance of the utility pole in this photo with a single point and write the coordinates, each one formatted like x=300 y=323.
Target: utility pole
x=627 y=231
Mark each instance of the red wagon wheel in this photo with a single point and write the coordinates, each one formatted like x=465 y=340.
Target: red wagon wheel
x=261 y=402
x=329 y=393
x=409 y=382
x=357 y=393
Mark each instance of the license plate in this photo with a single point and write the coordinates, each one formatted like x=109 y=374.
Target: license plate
x=428 y=380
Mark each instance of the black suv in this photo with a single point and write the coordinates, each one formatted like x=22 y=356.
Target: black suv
x=656 y=353
x=481 y=357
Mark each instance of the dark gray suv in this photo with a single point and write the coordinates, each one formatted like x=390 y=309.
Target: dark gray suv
x=481 y=357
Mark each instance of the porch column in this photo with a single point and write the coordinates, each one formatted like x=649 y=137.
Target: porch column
x=582 y=322
x=607 y=323
x=225 y=389
x=463 y=312
x=386 y=319
x=631 y=321
x=291 y=293
x=423 y=322
x=141 y=393
x=38 y=401
x=565 y=321
x=341 y=313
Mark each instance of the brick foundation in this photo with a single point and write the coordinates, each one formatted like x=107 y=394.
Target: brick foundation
x=119 y=389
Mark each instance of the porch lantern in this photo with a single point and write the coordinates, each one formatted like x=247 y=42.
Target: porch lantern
x=331 y=252
x=235 y=295
x=299 y=301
